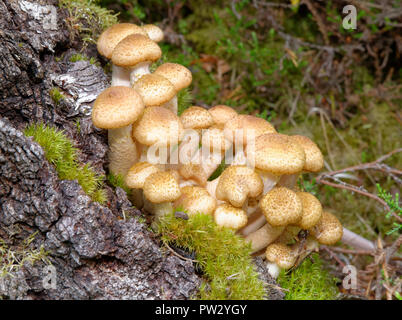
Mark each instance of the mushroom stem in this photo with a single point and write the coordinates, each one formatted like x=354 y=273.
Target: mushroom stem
x=158 y=209
x=288 y=180
x=122 y=150
x=269 y=180
x=273 y=269
x=256 y=221
x=358 y=242
x=172 y=105
x=138 y=71
x=263 y=237
x=120 y=76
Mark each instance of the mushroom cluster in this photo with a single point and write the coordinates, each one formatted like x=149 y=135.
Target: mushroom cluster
x=167 y=160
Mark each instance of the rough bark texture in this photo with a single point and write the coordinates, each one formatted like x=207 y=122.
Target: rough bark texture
x=96 y=253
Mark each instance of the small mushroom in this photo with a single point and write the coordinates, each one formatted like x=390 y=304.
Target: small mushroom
x=155 y=90
x=230 y=217
x=115 y=109
x=154 y=32
x=311 y=210
x=195 y=200
x=106 y=43
x=160 y=189
x=280 y=256
x=237 y=184
x=135 y=180
x=222 y=114
x=328 y=230
x=179 y=76
x=135 y=53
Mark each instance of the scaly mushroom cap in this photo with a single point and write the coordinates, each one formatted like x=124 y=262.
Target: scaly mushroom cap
x=252 y=127
x=237 y=183
x=154 y=32
x=221 y=114
x=156 y=126
x=281 y=206
x=109 y=38
x=154 y=89
x=230 y=217
x=312 y=210
x=278 y=154
x=196 y=200
x=161 y=187
x=215 y=139
x=314 y=157
x=328 y=230
x=281 y=254
x=196 y=118
x=192 y=171
x=138 y=173
x=134 y=49
x=116 y=107
x=177 y=74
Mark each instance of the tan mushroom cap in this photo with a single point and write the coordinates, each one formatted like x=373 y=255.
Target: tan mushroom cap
x=195 y=200
x=161 y=187
x=154 y=89
x=314 y=157
x=196 y=118
x=281 y=254
x=278 y=154
x=192 y=171
x=117 y=107
x=134 y=49
x=328 y=230
x=221 y=114
x=215 y=139
x=157 y=125
x=230 y=217
x=109 y=38
x=312 y=210
x=237 y=183
x=250 y=126
x=281 y=206
x=154 y=32
x=177 y=74
x=138 y=173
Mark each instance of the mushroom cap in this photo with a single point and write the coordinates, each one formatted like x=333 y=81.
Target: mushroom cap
x=281 y=254
x=237 y=183
x=277 y=153
x=250 y=126
x=312 y=210
x=154 y=89
x=215 y=139
x=109 y=38
x=138 y=173
x=154 y=32
x=193 y=171
x=314 y=157
x=222 y=114
x=195 y=200
x=157 y=125
x=161 y=187
x=117 y=107
x=328 y=230
x=196 y=118
x=134 y=49
x=230 y=217
x=281 y=206
x=177 y=74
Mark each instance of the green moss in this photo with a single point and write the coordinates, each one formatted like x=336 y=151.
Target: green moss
x=118 y=181
x=82 y=57
x=87 y=19
x=12 y=259
x=60 y=152
x=184 y=100
x=56 y=95
x=309 y=281
x=223 y=256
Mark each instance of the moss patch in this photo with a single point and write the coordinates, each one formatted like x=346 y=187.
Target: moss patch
x=309 y=281
x=223 y=256
x=60 y=152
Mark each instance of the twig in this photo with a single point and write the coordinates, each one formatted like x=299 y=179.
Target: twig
x=175 y=253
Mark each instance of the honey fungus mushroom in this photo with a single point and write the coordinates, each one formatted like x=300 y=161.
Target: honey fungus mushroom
x=230 y=217
x=115 y=109
x=107 y=42
x=135 y=53
x=195 y=200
